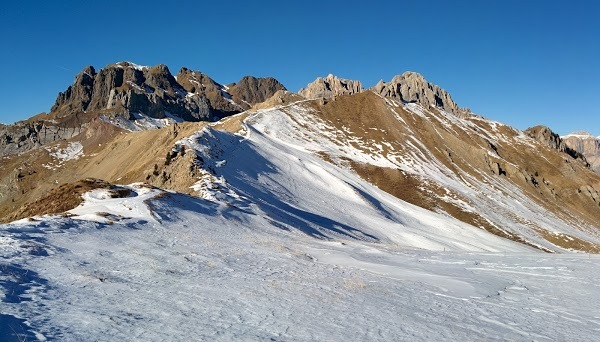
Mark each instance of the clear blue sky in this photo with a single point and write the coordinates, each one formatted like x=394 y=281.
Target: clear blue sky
x=518 y=62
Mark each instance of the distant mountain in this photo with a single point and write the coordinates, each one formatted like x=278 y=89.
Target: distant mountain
x=135 y=97
x=412 y=87
x=587 y=145
x=330 y=86
x=125 y=88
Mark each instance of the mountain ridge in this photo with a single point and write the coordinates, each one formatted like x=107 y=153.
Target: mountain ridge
x=362 y=202
x=134 y=97
x=454 y=165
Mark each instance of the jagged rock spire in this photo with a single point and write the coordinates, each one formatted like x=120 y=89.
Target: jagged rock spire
x=124 y=88
x=413 y=87
x=330 y=86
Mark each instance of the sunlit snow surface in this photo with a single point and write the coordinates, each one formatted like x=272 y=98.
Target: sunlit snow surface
x=199 y=270
x=287 y=247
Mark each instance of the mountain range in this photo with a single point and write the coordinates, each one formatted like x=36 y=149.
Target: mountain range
x=128 y=94
x=226 y=202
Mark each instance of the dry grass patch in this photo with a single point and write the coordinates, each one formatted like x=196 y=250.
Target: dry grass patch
x=412 y=190
x=570 y=242
x=64 y=198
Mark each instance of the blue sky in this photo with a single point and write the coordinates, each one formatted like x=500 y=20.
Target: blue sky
x=519 y=62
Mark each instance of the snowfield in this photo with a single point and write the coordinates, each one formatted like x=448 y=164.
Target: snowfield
x=200 y=270
x=283 y=246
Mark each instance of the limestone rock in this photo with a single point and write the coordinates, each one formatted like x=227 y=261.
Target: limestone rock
x=126 y=88
x=587 y=145
x=281 y=97
x=78 y=96
x=548 y=138
x=412 y=87
x=205 y=93
x=251 y=90
x=330 y=86
x=24 y=136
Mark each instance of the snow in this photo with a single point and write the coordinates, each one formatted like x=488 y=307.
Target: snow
x=282 y=245
x=72 y=152
x=132 y=65
x=137 y=87
x=98 y=203
x=580 y=135
x=141 y=121
x=228 y=98
x=514 y=212
x=187 y=268
x=60 y=155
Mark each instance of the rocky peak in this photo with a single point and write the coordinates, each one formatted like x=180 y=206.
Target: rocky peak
x=159 y=78
x=87 y=72
x=330 y=86
x=251 y=90
x=413 y=87
x=196 y=82
x=125 y=88
x=579 y=135
x=548 y=138
x=78 y=96
x=586 y=144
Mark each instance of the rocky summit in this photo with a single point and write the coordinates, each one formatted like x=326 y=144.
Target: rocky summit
x=135 y=97
x=587 y=145
x=125 y=88
x=548 y=138
x=413 y=88
x=330 y=86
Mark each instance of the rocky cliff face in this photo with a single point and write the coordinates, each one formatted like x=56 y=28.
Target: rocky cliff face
x=251 y=90
x=28 y=135
x=548 y=138
x=126 y=90
x=330 y=86
x=412 y=87
x=587 y=145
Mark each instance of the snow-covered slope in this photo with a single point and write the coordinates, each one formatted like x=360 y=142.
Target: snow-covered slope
x=480 y=171
x=285 y=241
x=162 y=266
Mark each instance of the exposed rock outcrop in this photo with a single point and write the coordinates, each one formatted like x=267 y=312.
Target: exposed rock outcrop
x=281 y=97
x=330 y=86
x=78 y=96
x=125 y=90
x=412 y=87
x=548 y=138
x=24 y=136
x=251 y=90
x=587 y=145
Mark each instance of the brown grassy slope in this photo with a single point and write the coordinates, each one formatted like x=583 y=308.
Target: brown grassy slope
x=552 y=178
x=110 y=153
x=497 y=155
x=61 y=199
x=362 y=112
